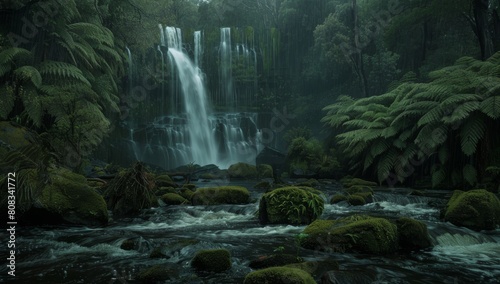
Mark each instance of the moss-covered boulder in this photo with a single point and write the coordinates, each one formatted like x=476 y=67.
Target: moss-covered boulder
x=221 y=195
x=358 y=233
x=279 y=275
x=173 y=199
x=290 y=205
x=348 y=182
x=164 y=181
x=128 y=244
x=216 y=260
x=413 y=234
x=262 y=185
x=186 y=193
x=338 y=198
x=189 y=186
x=69 y=197
x=242 y=171
x=265 y=171
x=279 y=259
x=156 y=274
x=14 y=136
x=164 y=190
x=476 y=209
x=356 y=200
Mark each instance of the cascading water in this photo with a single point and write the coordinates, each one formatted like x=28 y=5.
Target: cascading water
x=194 y=134
x=226 y=74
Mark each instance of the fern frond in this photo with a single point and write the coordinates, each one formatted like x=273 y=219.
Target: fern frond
x=438 y=176
x=11 y=54
x=8 y=100
x=461 y=112
x=491 y=107
x=431 y=116
x=60 y=70
x=30 y=73
x=471 y=133
x=386 y=164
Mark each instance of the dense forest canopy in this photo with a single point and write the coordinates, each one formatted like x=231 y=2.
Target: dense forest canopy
x=388 y=72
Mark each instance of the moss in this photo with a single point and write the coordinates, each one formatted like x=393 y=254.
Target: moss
x=164 y=190
x=348 y=182
x=221 y=195
x=274 y=260
x=279 y=275
x=15 y=136
x=69 y=196
x=263 y=185
x=413 y=234
x=173 y=199
x=290 y=205
x=338 y=198
x=356 y=200
x=155 y=274
x=359 y=189
x=355 y=233
x=189 y=186
x=242 y=171
x=309 y=183
x=264 y=171
x=164 y=181
x=312 y=266
x=186 y=193
x=476 y=209
x=216 y=260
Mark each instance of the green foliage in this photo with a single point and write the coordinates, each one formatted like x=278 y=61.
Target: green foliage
x=291 y=205
x=447 y=119
x=130 y=191
x=297 y=132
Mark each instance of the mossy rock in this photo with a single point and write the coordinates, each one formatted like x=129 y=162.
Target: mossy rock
x=265 y=171
x=173 y=199
x=242 y=171
x=128 y=244
x=349 y=182
x=158 y=252
x=14 y=136
x=274 y=260
x=156 y=274
x=216 y=260
x=189 y=186
x=357 y=233
x=356 y=200
x=290 y=205
x=164 y=181
x=338 y=198
x=279 y=275
x=413 y=234
x=262 y=185
x=309 y=183
x=69 y=196
x=186 y=193
x=476 y=209
x=313 y=267
x=164 y=190
x=359 y=189
x=221 y=195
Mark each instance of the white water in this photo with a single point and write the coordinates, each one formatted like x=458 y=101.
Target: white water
x=198 y=49
x=225 y=68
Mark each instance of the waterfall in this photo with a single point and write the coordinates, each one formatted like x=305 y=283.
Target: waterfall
x=130 y=69
x=198 y=49
x=225 y=68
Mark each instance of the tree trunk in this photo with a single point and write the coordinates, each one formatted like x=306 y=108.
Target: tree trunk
x=481 y=9
x=358 y=55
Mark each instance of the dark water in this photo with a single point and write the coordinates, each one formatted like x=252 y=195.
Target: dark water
x=93 y=255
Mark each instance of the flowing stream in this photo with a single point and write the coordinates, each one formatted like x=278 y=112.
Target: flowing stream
x=93 y=255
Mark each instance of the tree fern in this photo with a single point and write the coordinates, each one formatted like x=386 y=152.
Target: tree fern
x=60 y=70
x=28 y=73
x=491 y=107
x=471 y=133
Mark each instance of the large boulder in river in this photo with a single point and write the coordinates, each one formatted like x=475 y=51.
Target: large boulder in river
x=476 y=209
x=242 y=171
x=358 y=233
x=215 y=260
x=413 y=234
x=279 y=275
x=220 y=195
x=70 y=199
x=291 y=205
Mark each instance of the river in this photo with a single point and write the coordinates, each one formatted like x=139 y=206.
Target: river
x=74 y=254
